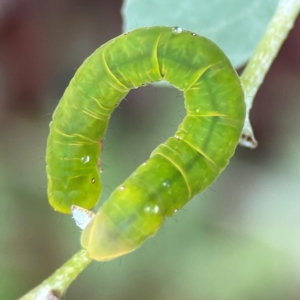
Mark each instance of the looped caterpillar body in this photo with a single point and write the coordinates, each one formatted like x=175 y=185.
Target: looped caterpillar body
x=178 y=169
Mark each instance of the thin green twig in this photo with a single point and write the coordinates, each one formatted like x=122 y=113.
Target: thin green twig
x=260 y=62
x=55 y=286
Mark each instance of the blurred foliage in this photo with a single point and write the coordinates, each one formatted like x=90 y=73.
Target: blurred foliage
x=236 y=26
x=237 y=240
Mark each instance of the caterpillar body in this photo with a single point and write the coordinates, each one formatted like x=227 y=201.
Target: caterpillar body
x=178 y=169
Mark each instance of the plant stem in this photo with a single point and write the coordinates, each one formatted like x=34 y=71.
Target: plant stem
x=54 y=287
x=260 y=62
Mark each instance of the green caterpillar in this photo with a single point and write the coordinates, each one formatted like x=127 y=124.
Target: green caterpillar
x=178 y=169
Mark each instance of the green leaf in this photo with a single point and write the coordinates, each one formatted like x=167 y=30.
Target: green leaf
x=235 y=25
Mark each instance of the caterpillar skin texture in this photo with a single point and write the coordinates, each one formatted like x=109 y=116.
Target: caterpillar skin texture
x=178 y=169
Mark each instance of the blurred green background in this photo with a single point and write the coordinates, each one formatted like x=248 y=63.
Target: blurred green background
x=237 y=240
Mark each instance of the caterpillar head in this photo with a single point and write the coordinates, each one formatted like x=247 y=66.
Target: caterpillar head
x=82 y=190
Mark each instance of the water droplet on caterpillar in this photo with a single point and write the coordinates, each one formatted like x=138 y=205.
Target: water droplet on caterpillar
x=122 y=188
x=85 y=159
x=167 y=183
x=176 y=30
x=152 y=209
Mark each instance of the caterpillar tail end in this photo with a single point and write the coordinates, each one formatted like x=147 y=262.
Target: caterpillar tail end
x=103 y=241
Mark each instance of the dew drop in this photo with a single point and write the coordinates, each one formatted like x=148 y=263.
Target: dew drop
x=156 y=209
x=175 y=211
x=85 y=159
x=93 y=180
x=197 y=110
x=122 y=188
x=101 y=170
x=176 y=30
x=166 y=183
x=152 y=209
x=194 y=34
